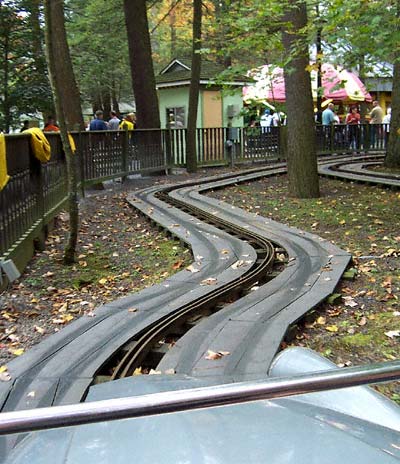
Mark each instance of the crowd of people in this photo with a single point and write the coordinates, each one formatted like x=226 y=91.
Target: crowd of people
x=96 y=124
x=114 y=123
x=269 y=118
x=375 y=118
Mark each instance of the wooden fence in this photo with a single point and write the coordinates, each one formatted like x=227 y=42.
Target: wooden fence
x=36 y=192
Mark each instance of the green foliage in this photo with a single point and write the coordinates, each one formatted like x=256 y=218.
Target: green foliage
x=24 y=83
x=99 y=50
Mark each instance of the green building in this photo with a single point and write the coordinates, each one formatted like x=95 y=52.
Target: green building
x=217 y=107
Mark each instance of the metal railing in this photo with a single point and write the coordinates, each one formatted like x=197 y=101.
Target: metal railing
x=197 y=398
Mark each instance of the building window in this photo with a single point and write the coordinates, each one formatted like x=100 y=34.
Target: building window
x=176 y=117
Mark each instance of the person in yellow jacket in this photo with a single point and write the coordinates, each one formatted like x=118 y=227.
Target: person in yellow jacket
x=128 y=123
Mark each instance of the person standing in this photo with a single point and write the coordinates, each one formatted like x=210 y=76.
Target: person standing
x=266 y=121
x=128 y=123
x=386 y=123
x=97 y=124
x=328 y=115
x=113 y=123
x=50 y=125
x=376 y=116
x=353 y=121
x=25 y=126
x=328 y=120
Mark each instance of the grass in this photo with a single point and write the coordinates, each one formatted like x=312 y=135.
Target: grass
x=363 y=220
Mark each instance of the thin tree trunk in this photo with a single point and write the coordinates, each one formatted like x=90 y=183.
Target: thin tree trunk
x=221 y=15
x=38 y=53
x=141 y=63
x=172 y=28
x=392 y=159
x=191 y=152
x=114 y=98
x=6 y=102
x=106 y=97
x=66 y=99
x=301 y=150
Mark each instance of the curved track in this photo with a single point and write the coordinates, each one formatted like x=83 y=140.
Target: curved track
x=61 y=368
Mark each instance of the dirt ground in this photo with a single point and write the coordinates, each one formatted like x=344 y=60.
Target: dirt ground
x=119 y=252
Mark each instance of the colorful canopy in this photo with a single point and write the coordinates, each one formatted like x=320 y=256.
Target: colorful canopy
x=338 y=84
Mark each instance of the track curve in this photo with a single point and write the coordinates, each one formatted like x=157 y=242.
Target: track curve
x=61 y=368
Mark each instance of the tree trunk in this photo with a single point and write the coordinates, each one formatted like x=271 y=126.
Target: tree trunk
x=66 y=99
x=142 y=71
x=301 y=149
x=221 y=15
x=6 y=101
x=392 y=159
x=106 y=97
x=191 y=152
x=114 y=98
x=172 y=28
x=38 y=54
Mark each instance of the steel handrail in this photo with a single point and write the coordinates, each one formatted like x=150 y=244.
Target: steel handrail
x=197 y=398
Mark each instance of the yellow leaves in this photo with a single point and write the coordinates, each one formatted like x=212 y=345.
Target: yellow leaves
x=103 y=281
x=390 y=252
x=342 y=222
x=312 y=67
x=17 y=352
x=321 y=320
x=4 y=374
x=332 y=328
x=63 y=319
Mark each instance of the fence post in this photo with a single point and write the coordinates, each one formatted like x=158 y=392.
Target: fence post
x=282 y=153
x=332 y=138
x=36 y=173
x=367 y=138
x=124 y=154
x=168 y=149
x=79 y=154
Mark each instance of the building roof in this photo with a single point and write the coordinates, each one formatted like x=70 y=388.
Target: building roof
x=178 y=73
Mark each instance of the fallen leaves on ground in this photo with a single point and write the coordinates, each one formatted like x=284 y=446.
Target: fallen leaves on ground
x=209 y=281
x=213 y=355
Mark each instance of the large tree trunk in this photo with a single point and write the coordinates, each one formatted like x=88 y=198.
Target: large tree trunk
x=392 y=159
x=301 y=151
x=143 y=80
x=67 y=103
x=191 y=152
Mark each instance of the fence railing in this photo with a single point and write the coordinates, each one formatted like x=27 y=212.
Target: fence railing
x=35 y=191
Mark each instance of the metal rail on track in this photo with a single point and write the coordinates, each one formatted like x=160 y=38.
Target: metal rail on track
x=257 y=272
x=193 y=399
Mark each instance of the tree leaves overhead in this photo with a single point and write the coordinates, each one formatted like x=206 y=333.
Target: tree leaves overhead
x=24 y=83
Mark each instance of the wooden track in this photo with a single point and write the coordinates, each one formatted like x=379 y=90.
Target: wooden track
x=60 y=369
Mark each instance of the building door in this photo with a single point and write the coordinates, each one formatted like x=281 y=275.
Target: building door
x=212 y=108
x=212 y=136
